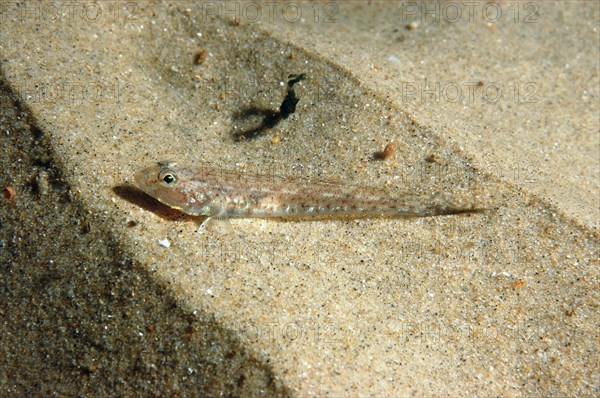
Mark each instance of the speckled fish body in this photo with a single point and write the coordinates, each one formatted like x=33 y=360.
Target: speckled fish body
x=220 y=193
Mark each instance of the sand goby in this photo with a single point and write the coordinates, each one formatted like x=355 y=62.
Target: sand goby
x=221 y=193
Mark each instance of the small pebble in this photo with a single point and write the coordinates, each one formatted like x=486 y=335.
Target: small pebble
x=412 y=25
x=389 y=151
x=9 y=193
x=200 y=57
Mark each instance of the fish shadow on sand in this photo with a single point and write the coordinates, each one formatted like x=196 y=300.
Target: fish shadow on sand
x=146 y=202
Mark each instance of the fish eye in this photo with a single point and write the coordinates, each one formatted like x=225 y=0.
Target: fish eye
x=168 y=178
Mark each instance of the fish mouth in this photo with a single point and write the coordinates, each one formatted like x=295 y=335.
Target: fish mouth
x=139 y=181
x=145 y=174
x=143 y=180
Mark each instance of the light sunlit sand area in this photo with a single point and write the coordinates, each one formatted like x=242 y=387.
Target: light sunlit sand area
x=489 y=107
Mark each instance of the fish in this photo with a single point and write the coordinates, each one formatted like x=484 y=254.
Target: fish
x=224 y=194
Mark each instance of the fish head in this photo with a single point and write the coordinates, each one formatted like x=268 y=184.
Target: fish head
x=170 y=185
